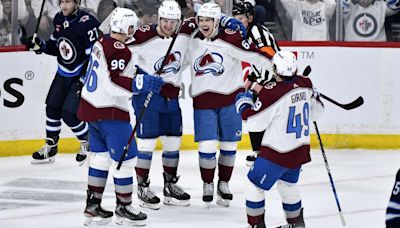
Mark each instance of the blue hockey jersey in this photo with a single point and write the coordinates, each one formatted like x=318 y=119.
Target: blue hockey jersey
x=72 y=41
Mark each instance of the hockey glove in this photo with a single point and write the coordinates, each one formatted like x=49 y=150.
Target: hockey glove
x=233 y=24
x=244 y=101
x=144 y=83
x=36 y=44
x=261 y=76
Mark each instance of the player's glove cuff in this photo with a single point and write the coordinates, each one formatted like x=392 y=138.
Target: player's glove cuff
x=244 y=101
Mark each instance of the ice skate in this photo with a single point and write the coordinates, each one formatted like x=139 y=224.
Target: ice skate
x=174 y=194
x=146 y=197
x=297 y=222
x=46 y=154
x=208 y=193
x=251 y=158
x=94 y=214
x=129 y=216
x=224 y=194
x=82 y=154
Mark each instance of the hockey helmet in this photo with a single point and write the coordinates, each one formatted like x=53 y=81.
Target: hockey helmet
x=122 y=19
x=285 y=63
x=243 y=7
x=211 y=10
x=169 y=9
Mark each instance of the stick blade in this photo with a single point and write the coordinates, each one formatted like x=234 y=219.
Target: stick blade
x=355 y=104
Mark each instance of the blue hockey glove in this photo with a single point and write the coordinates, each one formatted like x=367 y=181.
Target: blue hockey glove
x=144 y=83
x=234 y=24
x=36 y=44
x=244 y=101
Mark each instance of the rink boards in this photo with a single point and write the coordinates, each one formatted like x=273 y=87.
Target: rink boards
x=341 y=72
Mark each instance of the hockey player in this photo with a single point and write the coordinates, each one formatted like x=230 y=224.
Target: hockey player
x=215 y=61
x=393 y=209
x=284 y=109
x=75 y=33
x=163 y=117
x=105 y=105
x=265 y=41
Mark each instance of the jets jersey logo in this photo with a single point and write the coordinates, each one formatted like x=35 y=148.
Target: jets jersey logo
x=84 y=18
x=67 y=50
x=365 y=25
x=172 y=63
x=209 y=62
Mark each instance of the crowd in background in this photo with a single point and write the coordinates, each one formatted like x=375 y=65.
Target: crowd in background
x=292 y=20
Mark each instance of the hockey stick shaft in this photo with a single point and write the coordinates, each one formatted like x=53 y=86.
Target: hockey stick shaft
x=148 y=98
x=39 y=17
x=352 y=105
x=329 y=174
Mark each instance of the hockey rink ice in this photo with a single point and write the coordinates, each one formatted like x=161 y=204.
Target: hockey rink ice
x=53 y=195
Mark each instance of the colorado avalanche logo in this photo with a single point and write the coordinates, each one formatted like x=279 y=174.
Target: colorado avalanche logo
x=209 y=63
x=67 y=50
x=172 y=63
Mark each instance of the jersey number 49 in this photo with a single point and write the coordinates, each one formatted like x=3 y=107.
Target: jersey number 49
x=296 y=122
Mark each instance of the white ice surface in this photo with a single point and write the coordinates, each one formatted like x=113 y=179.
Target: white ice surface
x=53 y=195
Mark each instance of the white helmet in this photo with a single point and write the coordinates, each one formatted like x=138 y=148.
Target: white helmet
x=211 y=10
x=169 y=9
x=122 y=19
x=285 y=63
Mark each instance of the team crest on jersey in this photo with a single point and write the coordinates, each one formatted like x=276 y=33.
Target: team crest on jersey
x=84 y=18
x=365 y=25
x=67 y=50
x=270 y=85
x=119 y=45
x=230 y=31
x=172 y=63
x=209 y=62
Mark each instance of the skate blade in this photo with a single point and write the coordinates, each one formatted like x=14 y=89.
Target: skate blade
x=175 y=202
x=128 y=222
x=223 y=202
x=208 y=205
x=155 y=206
x=96 y=221
x=43 y=161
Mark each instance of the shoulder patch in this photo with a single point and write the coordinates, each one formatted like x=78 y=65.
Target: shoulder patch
x=230 y=31
x=270 y=85
x=144 y=28
x=119 y=45
x=84 y=18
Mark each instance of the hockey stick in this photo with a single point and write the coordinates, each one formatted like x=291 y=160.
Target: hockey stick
x=329 y=174
x=38 y=22
x=148 y=98
x=352 y=105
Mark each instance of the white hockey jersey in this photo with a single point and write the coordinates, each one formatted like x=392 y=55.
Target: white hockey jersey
x=285 y=111
x=366 y=24
x=216 y=69
x=310 y=22
x=150 y=49
x=108 y=82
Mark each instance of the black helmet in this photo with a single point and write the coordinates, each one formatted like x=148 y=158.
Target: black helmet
x=242 y=7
